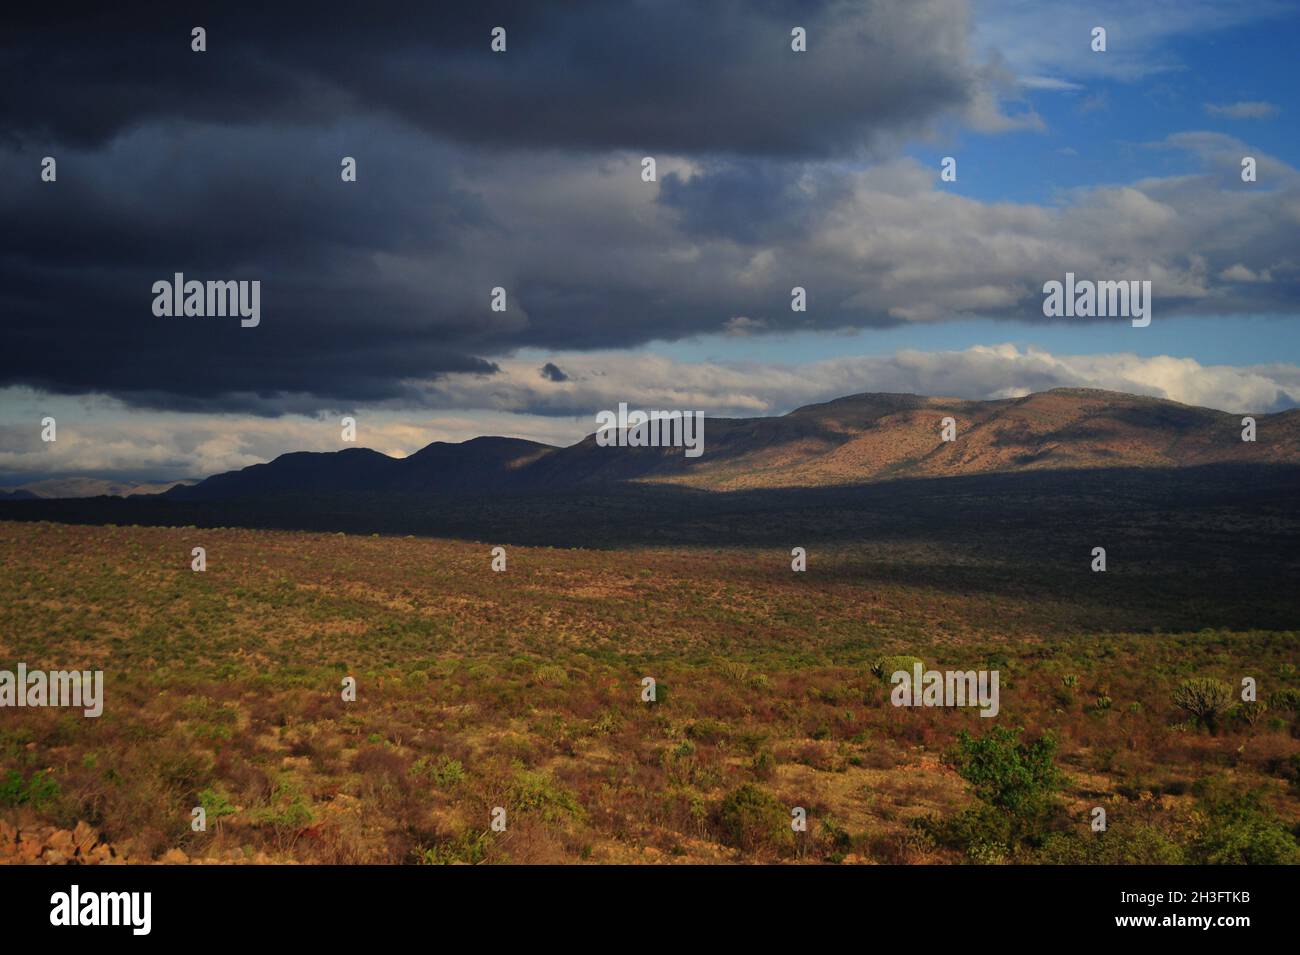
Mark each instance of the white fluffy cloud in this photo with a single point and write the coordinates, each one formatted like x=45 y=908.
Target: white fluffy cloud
x=741 y=389
x=99 y=437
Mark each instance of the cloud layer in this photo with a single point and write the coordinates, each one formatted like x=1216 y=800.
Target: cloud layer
x=98 y=436
x=522 y=171
x=370 y=288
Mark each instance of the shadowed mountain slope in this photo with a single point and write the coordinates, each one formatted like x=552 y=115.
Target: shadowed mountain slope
x=852 y=440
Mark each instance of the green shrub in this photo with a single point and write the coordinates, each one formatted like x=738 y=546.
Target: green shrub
x=1239 y=829
x=733 y=670
x=886 y=667
x=34 y=792
x=763 y=765
x=983 y=833
x=537 y=792
x=1016 y=777
x=1288 y=699
x=680 y=763
x=1138 y=845
x=289 y=808
x=608 y=722
x=1205 y=698
x=707 y=730
x=752 y=820
x=444 y=773
x=216 y=803
x=836 y=839
x=1250 y=713
x=661 y=695
x=469 y=848
x=550 y=674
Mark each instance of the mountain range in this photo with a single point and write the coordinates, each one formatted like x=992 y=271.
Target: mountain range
x=852 y=440
x=71 y=487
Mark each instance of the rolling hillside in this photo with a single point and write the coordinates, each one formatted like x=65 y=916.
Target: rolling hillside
x=852 y=440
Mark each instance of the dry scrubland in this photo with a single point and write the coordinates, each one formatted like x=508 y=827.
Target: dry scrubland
x=522 y=690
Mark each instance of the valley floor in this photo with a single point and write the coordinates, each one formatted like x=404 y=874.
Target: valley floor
x=523 y=690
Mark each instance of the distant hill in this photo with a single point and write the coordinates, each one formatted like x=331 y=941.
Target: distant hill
x=85 y=487
x=852 y=440
x=872 y=437
x=482 y=464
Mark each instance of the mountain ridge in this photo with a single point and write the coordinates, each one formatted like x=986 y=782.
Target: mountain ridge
x=63 y=488
x=853 y=439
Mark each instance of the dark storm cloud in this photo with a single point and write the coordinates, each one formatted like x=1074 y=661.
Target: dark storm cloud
x=551 y=372
x=80 y=256
x=224 y=165
x=522 y=171
x=751 y=200
x=371 y=287
x=676 y=75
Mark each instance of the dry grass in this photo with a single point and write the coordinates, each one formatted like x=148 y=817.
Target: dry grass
x=522 y=690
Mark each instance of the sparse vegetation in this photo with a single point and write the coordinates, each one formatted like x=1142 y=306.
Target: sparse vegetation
x=1207 y=700
x=753 y=820
x=476 y=691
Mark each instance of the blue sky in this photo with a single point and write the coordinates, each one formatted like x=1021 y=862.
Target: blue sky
x=1101 y=133
x=1109 y=122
